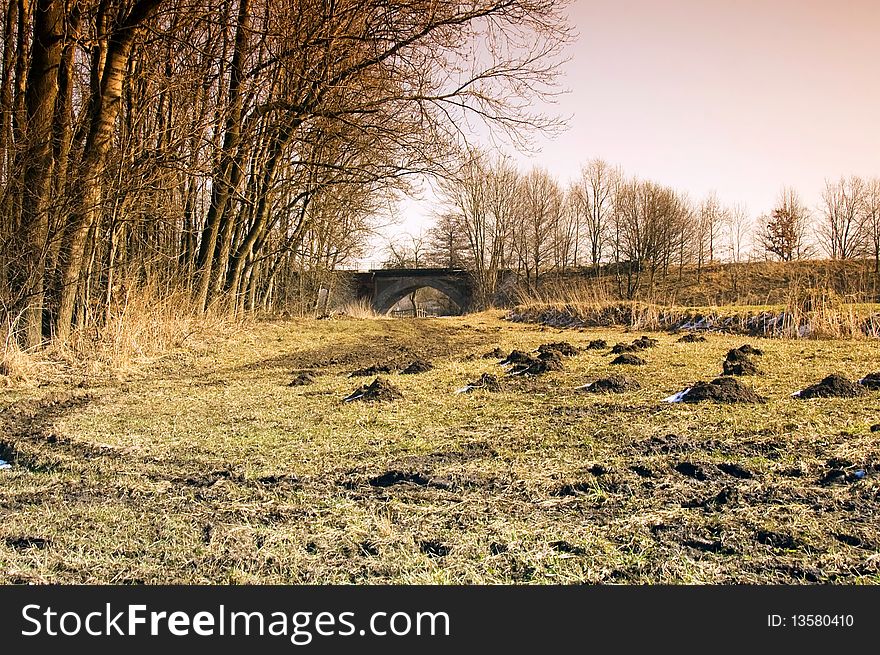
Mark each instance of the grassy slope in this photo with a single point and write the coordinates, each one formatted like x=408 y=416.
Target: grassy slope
x=213 y=470
x=761 y=283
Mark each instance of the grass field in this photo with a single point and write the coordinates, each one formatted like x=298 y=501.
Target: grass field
x=206 y=467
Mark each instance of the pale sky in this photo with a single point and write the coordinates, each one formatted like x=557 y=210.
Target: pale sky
x=737 y=96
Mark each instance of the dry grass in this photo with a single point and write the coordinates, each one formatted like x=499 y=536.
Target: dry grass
x=361 y=309
x=756 y=283
x=16 y=366
x=804 y=311
x=147 y=325
x=214 y=470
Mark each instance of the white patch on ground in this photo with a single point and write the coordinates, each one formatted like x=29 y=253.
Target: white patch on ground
x=4 y=465
x=677 y=397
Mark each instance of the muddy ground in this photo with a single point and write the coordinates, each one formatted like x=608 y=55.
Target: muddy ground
x=208 y=467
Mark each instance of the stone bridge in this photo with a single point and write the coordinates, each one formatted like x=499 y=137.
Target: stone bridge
x=385 y=287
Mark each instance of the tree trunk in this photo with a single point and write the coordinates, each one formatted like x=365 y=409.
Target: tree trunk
x=40 y=96
x=104 y=112
x=62 y=138
x=227 y=179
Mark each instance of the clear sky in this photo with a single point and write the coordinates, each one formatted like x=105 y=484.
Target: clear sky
x=737 y=96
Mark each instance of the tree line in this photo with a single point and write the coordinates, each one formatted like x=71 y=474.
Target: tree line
x=495 y=217
x=235 y=149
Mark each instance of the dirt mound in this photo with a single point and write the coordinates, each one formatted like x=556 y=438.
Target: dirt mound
x=25 y=543
x=781 y=540
x=871 y=381
x=375 y=369
x=739 y=361
x=691 y=470
x=379 y=390
x=692 y=338
x=743 y=367
x=734 y=469
x=418 y=366
x=644 y=342
x=486 y=381
x=302 y=379
x=519 y=357
x=546 y=362
x=496 y=353
x=596 y=344
x=390 y=478
x=743 y=353
x=434 y=548
x=612 y=384
x=567 y=548
x=629 y=359
x=833 y=386
x=562 y=347
x=721 y=390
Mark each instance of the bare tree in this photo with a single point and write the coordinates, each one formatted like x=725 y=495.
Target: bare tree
x=538 y=212
x=447 y=243
x=711 y=218
x=591 y=199
x=842 y=230
x=482 y=196
x=871 y=219
x=407 y=251
x=737 y=229
x=651 y=222
x=39 y=100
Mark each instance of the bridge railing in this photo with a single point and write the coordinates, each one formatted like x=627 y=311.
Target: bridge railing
x=379 y=267
x=361 y=267
x=421 y=312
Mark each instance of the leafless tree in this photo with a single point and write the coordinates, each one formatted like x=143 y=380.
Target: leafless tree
x=711 y=218
x=482 y=196
x=871 y=219
x=652 y=222
x=447 y=242
x=737 y=230
x=406 y=251
x=842 y=229
x=591 y=199
x=538 y=211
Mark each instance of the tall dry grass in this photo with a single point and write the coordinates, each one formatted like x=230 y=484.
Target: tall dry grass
x=361 y=309
x=144 y=324
x=822 y=312
x=593 y=302
x=16 y=365
x=808 y=305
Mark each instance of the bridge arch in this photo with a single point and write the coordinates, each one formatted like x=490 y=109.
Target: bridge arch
x=397 y=289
